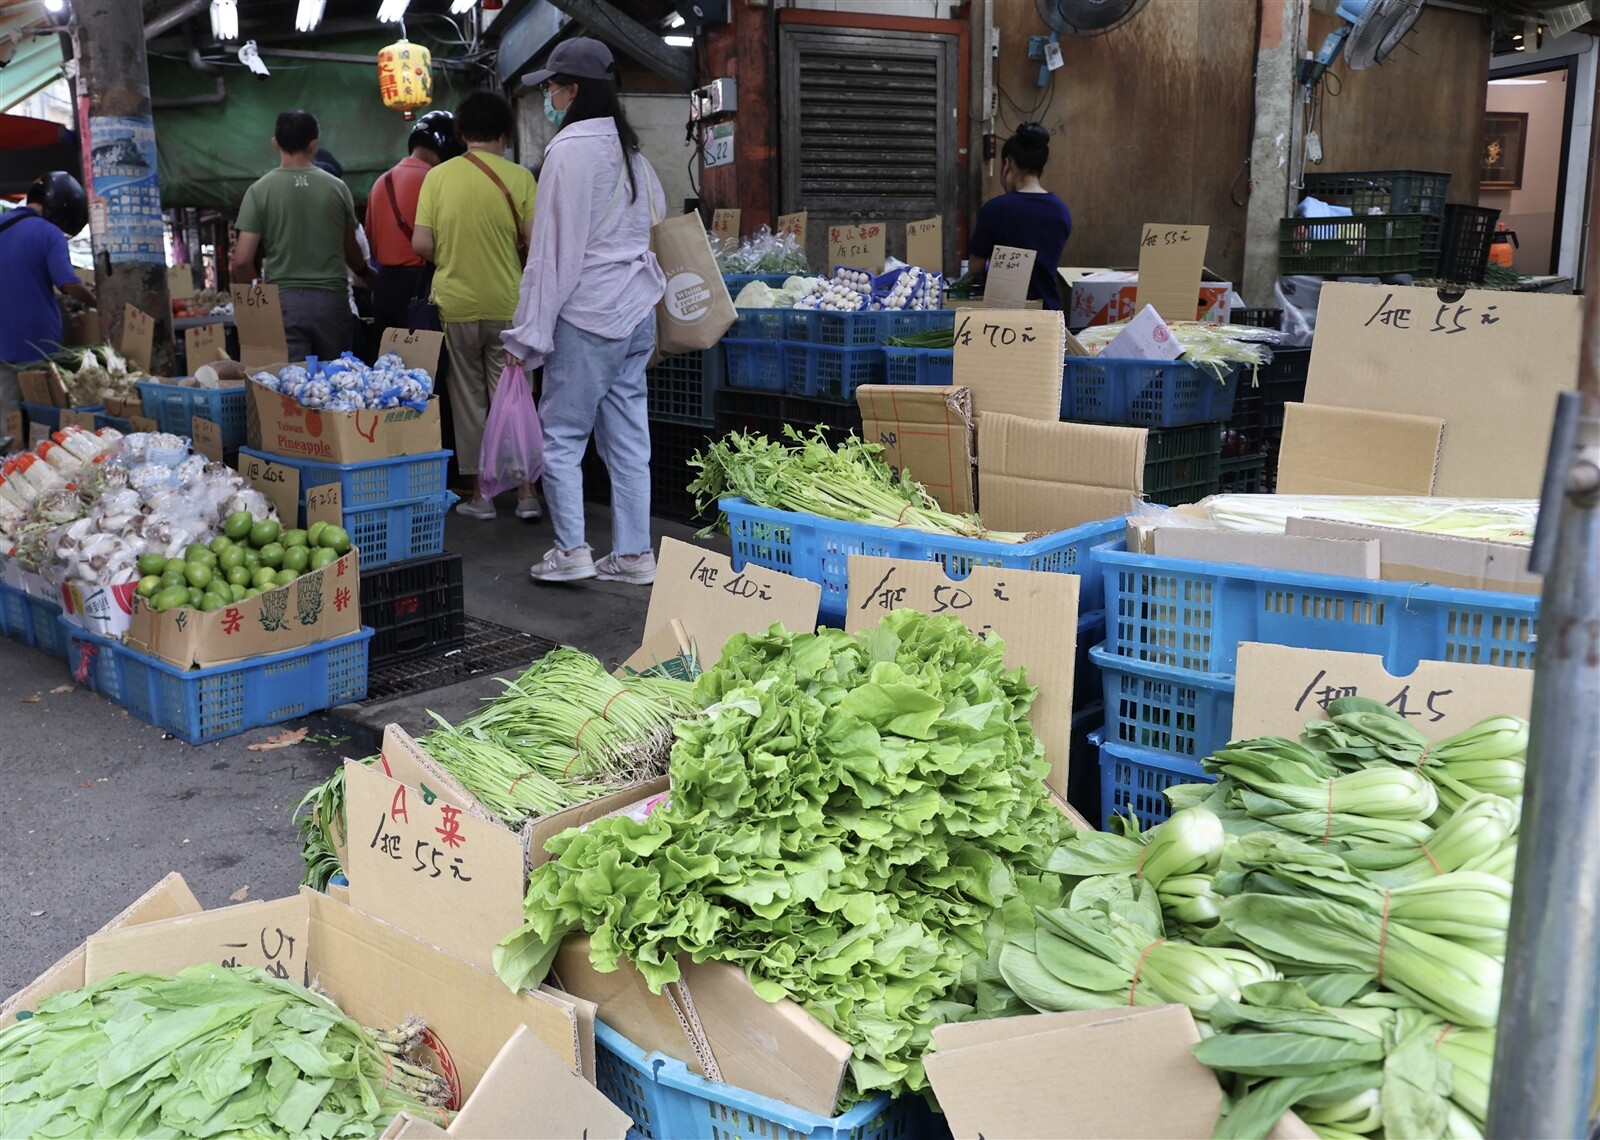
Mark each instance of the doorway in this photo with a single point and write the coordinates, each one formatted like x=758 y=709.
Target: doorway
x=1527 y=137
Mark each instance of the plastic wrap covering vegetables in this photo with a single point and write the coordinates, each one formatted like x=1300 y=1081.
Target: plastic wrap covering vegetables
x=763 y=252
x=348 y=385
x=845 y=820
x=1500 y=520
x=212 y=1051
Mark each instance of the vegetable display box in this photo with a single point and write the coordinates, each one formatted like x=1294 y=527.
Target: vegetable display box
x=414 y=608
x=682 y=389
x=197 y=705
x=819 y=549
x=1181 y=465
x=825 y=372
x=932 y=366
x=1178 y=712
x=400 y=531
x=757 y=364
x=173 y=406
x=1133 y=780
x=1145 y=393
x=1174 y=611
x=865 y=329
x=668 y=1102
x=50 y=417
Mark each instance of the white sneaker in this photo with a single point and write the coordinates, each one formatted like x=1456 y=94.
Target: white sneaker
x=529 y=508
x=560 y=566
x=634 y=569
x=476 y=509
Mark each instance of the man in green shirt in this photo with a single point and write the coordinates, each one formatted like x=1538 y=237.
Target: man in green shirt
x=303 y=220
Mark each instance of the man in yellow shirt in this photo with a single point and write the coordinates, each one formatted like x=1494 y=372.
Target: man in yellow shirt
x=474 y=216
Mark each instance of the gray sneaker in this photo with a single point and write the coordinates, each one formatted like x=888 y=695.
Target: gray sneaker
x=634 y=569
x=476 y=509
x=529 y=508
x=560 y=566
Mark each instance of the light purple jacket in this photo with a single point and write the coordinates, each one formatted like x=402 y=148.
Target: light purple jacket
x=589 y=261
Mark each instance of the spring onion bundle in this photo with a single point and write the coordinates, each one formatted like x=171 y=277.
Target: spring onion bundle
x=211 y=1051
x=851 y=483
x=1213 y=347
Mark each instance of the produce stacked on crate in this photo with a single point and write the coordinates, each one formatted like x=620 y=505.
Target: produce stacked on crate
x=1387 y=192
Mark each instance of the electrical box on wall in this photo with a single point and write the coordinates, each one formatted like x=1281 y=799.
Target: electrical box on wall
x=719 y=97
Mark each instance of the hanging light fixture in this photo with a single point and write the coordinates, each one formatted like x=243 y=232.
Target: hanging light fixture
x=457 y=7
x=308 y=15
x=392 y=11
x=225 y=19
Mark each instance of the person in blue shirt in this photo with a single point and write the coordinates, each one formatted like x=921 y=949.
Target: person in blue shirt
x=33 y=249
x=1026 y=216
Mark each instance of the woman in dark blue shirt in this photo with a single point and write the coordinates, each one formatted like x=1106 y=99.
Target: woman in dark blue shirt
x=1026 y=216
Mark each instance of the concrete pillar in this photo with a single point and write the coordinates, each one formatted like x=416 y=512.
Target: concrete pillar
x=119 y=170
x=1275 y=150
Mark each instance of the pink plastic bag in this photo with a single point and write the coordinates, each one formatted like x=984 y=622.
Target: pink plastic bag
x=513 y=441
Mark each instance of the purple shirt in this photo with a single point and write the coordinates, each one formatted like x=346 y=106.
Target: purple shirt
x=589 y=261
x=34 y=253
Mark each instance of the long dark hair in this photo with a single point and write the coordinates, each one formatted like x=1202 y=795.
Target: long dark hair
x=597 y=99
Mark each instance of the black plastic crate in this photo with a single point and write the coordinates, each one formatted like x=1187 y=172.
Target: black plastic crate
x=840 y=417
x=671 y=448
x=1388 y=192
x=749 y=411
x=1243 y=475
x=1256 y=318
x=1283 y=379
x=415 y=608
x=1181 y=465
x=1468 y=230
x=682 y=389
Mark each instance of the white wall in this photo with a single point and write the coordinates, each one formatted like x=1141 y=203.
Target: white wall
x=659 y=120
x=1530 y=209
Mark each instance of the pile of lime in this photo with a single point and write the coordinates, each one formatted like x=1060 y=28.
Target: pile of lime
x=246 y=559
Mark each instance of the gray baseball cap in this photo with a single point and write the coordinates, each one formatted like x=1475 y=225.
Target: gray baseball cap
x=581 y=58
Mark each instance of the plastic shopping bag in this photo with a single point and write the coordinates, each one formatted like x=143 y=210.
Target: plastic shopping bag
x=513 y=441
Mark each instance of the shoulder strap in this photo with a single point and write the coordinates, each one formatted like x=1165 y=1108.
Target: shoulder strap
x=13 y=218
x=516 y=222
x=394 y=204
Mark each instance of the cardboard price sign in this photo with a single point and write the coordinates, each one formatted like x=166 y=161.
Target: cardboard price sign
x=717 y=601
x=325 y=503
x=70 y=418
x=1034 y=613
x=258 y=316
x=278 y=482
x=272 y=936
x=925 y=244
x=143 y=423
x=860 y=246
x=14 y=430
x=1011 y=360
x=794 y=224
x=1170 y=261
x=1010 y=273
x=725 y=227
x=418 y=348
x=203 y=345
x=180 y=282
x=138 y=336
x=207 y=436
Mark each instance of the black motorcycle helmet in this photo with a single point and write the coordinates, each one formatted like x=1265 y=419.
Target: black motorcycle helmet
x=437 y=131
x=61 y=200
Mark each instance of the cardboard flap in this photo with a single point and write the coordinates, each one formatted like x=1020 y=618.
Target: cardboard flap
x=274 y=936
x=258 y=316
x=407 y=1127
x=402 y=758
x=1012 y=361
x=715 y=601
x=1348 y=557
x=429 y=867
x=927 y=433
x=1091 y=1074
x=625 y=1003
x=418 y=348
x=858 y=246
x=925 y=244
x=1170 y=260
x=537 y=833
x=526 y=1076
x=1347 y=451
x=1279 y=689
x=1446 y=560
x=138 y=336
x=1046 y=476
x=1490 y=363
x=1034 y=613
x=1005 y=286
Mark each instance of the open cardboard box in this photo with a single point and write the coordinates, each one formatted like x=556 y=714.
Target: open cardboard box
x=927 y=433
x=487 y=1039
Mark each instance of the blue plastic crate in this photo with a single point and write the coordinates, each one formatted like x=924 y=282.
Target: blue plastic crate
x=376 y=483
x=682 y=388
x=95 y=662
x=44 y=616
x=197 y=705
x=758 y=324
x=865 y=329
x=1085 y=678
x=1145 y=393
x=1193 y=615
x=16 y=619
x=399 y=531
x=822 y=371
x=1164 y=709
x=757 y=364
x=173 y=406
x=50 y=416
x=668 y=1102
x=1133 y=780
x=101 y=420
x=932 y=366
x=737 y=281
x=819 y=550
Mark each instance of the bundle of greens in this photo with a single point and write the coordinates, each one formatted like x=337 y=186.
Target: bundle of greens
x=851 y=483
x=212 y=1051
x=845 y=820
x=1214 y=347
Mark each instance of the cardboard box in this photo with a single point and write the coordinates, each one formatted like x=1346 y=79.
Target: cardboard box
x=1104 y=297
x=1349 y=451
x=1444 y=560
x=40 y=386
x=1328 y=555
x=317 y=606
x=486 y=1037
x=80 y=329
x=926 y=432
x=283 y=426
x=1045 y=476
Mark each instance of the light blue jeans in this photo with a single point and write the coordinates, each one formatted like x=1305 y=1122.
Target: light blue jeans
x=595 y=385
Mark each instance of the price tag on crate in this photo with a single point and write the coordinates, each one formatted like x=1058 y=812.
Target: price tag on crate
x=278 y=483
x=725 y=227
x=203 y=345
x=138 y=336
x=143 y=423
x=325 y=503
x=418 y=348
x=925 y=244
x=70 y=418
x=859 y=246
x=258 y=316
x=1010 y=273
x=14 y=430
x=794 y=224
x=207 y=437
x=1170 y=260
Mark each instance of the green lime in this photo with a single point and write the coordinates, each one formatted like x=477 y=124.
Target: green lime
x=272 y=555
x=265 y=578
x=149 y=586
x=336 y=539
x=254 y=592
x=220 y=544
x=240 y=576
x=171 y=598
x=315 y=533
x=321 y=557
x=210 y=603
x=200 y=552
x=296 y=558
x=151 y=564
x=286 y=576
x=198 y=574
x=263 y=532
x=195 y=594
x=252 y=558
x=231 y=557
x=295 y=537
x=238 y=524
x=173 y=574
x=237 y=591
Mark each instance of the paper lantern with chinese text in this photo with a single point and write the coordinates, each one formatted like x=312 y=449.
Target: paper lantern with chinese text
x=405 y=77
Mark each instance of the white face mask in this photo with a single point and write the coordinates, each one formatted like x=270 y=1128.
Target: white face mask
x=556 y=115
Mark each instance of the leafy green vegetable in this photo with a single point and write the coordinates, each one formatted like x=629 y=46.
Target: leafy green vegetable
x=845 y=821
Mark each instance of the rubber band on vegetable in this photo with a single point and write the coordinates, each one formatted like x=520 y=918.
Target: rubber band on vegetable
x=512 y=790
x=1133 y=989
x=1383 y=934
x=1438 y=870
x=1449 y=1028
x=900 y=520
x=1327 y=829
x=1143 y=851
x=606 y=708
x=1422 y=757
x=577 y=745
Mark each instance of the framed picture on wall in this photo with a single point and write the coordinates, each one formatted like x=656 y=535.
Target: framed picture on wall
x=1505 y=137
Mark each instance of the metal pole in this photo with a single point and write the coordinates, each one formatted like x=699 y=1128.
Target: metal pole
x=1544 y=1061
x=119 y=169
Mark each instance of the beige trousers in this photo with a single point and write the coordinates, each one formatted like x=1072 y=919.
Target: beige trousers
x=476 y=360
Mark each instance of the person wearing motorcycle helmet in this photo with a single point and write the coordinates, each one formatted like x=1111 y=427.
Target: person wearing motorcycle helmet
x=392 y=219
x=33 y=248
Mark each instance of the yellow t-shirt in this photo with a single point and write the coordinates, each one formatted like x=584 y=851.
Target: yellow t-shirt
x=474 y=244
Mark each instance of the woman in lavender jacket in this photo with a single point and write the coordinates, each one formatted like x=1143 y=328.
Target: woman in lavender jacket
x=587 y=313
